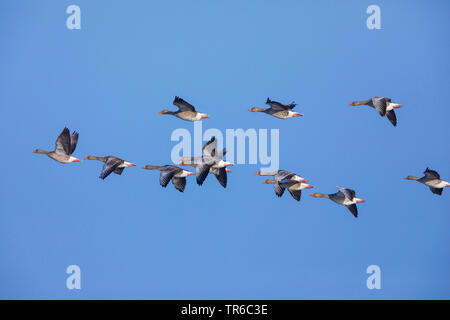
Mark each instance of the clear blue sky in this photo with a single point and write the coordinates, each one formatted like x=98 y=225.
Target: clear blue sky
x=136 y=240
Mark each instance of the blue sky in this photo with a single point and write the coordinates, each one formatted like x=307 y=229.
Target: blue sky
x=135 y=240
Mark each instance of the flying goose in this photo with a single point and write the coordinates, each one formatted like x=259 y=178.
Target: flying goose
x=432 y=180
x=383 y=105
x=294 y=187
x=64 y=147
x=170 y=172
x=220 y=173
x=210 y=158
x=186 y=111
x=279 y=176
x=112 y=164
x=278 y=110
x=344 y=196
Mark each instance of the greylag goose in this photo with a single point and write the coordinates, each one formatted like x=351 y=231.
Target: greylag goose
x=294 y=187
x=64 y=147
x=220 y=173
x=344 y=196
x=279 y=176
x=112 y=164
x=383 y=105
x=278 y=110
x=186 y=111
x=210 y=158
x=170 y=172
x=432 y=180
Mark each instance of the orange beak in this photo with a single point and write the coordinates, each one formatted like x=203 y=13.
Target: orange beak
x=399 y=106
x=360 y=201
x=297 y=115
x=191 y=174
x=76 y=160
x=205 y=117
x=227 y=170
x=228 y=165
x=160 y=112
x=257 y=173
x=34 y=151
x=309 y=187
x=304 y=180
x=132 y=165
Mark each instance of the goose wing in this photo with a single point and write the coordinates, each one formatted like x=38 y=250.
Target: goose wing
x=436 y=190
x=110 y=165
x=431 y=174
x=62 y=144
x=221 y=175
x=183 y=105
x=379 y=103
x=275 y=105
x=210 y=148
x=296 y=194
x=202 y=170
x=353 y=209
x=73 y=141
x=179 y=183
x=348 y=193
x=167 y=174
x=392 y=117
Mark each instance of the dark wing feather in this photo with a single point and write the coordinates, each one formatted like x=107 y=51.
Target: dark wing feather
x=348 y=193
x=167 y=174
x=353 y=209
x=119 y=170
x=283 y=175
x=73 y=142
x=110 y=165
x=275 y=105
x=391 y=116
x=436 y=190
x=279 y=190
x=296 y=194
x=201 y=171
x=221 y=175
x=431 y=174
x=379 y=103
x=179 y=183
x=209 y=149
x=62 y=145
x=183 y=105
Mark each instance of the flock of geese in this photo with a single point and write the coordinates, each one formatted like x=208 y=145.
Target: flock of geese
x=211 y=160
